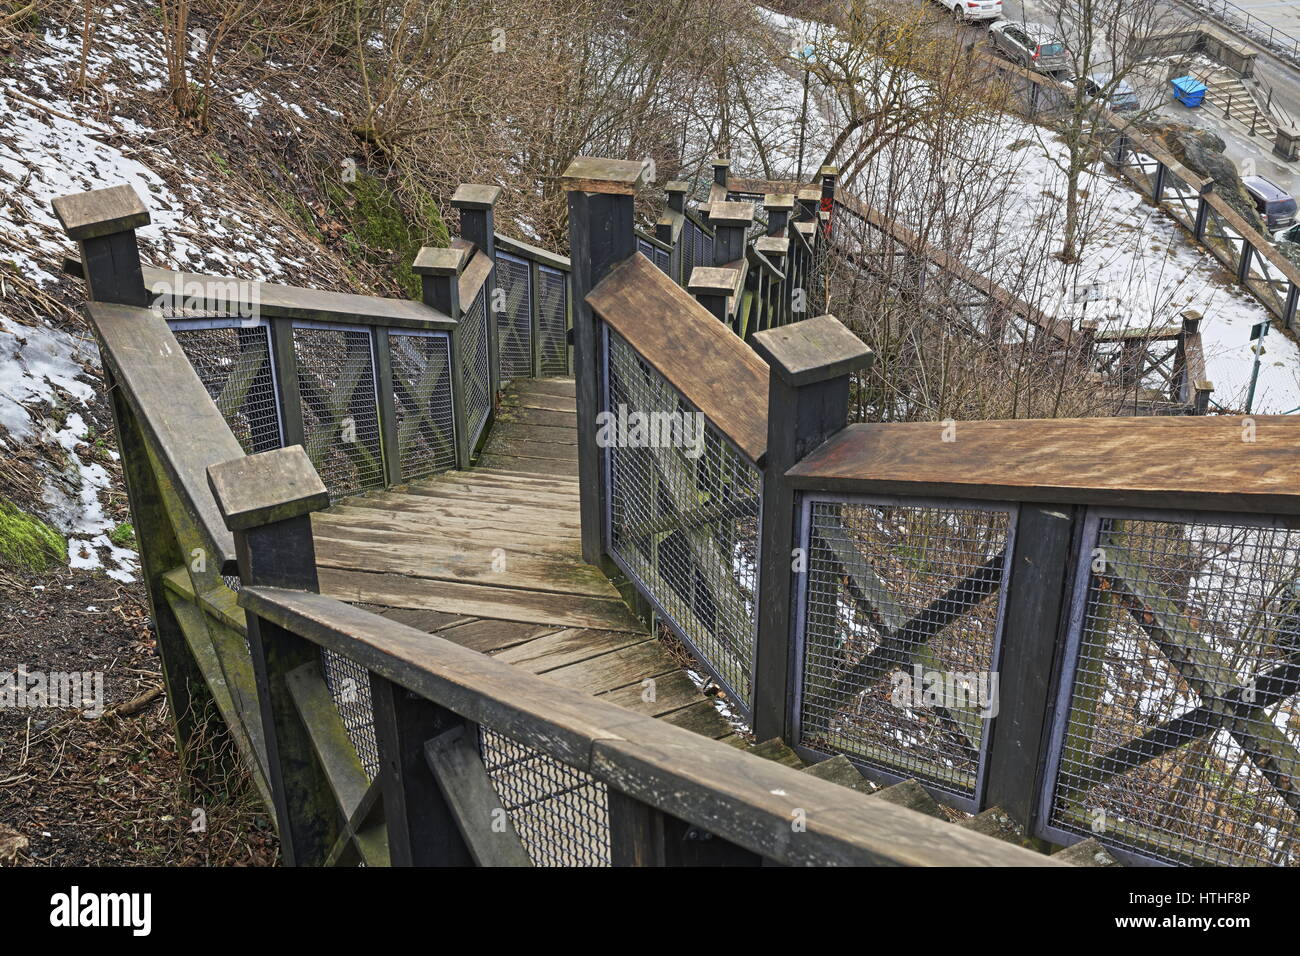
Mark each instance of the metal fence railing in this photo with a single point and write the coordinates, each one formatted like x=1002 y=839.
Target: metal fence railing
x=476 y=357
x=560 y=813
x=683 y=516
x=902 y=595
x=1178 y=730
x=233 y=360
x=514 y=316
x=422 y=394
x=340 y=406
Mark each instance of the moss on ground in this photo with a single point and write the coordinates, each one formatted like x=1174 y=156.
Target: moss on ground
x=381 y=231
x=28 y=542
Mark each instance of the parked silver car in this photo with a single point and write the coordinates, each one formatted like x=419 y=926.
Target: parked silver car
x=1031 y=45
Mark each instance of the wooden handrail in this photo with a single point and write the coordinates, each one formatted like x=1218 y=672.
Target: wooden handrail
x=1240 y=465
x=173 y=409
x=716 y=372
x=732 y=794
x=536 y=254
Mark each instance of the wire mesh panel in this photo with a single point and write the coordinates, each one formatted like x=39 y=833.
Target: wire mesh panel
x=349 y=684
x=1178 y=732
x=553 y=321
x=900 y=622
x=426 y=428
x=474 y=356
x=514 y=322
x=340 y=409
x=683 y=516
x=233 y=361
x=561 y=814
x=689 y=241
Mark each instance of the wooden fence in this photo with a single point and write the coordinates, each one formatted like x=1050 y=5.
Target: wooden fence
x=229 y=564
x=1136 y=612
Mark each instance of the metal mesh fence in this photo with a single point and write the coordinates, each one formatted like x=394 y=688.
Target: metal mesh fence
x=233 y=361
x=900 y=623
x=514 y=323
x=659 y=256
x=1179 y=738
x=683 y=517
x=422 y=401
x=553 y=321
x=349 y=683
x=474 y=356
x=561 y=814
x=340 y=410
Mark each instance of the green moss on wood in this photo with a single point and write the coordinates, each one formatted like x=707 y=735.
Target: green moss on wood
x=28 y=542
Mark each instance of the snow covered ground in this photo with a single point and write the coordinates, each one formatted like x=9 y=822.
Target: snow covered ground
x=1147 y=269
x=58 y=146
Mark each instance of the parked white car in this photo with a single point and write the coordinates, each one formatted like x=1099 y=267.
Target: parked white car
x=963 y=10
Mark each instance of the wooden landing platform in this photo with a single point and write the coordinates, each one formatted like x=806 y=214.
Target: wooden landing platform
x=490 y=558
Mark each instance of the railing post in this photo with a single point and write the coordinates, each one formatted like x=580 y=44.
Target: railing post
x=1202 y=217
x=731 y=222
x=439 y=271
x=1033 y=630
x=389 y=440
x=669 y=228
x=266 y=500
x=1243 y=264
x=422 y=829
x=478 y=225
x=103 y=223
x=776 y=249
x=721 y=167
x=829 y=176
x=712 y=287
x=810 y=364
x=601 y=197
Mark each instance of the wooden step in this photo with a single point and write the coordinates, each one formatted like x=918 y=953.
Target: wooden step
x=1086 y=853
x=912 y=795
x=995 y=822
x=778 y=751
x=840 y=770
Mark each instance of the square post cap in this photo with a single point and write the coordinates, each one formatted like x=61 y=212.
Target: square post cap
x=735 y=214
x=590 y=174
x=677 y=186
x=469 y=196
x=773 y=245
x=721 y=163
x=431 y=261
x=828 y=171
x=712 y=280
x=261 y=489
x=100 y=212
x=810 y=193
x=776 y=202
x=811 y=351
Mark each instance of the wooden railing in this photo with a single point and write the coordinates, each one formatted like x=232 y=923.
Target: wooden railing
x=1125 y=587
x=212 y=518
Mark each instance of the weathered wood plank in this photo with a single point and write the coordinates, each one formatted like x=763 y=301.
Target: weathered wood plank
x=518 y=569
x=717 y=372
x=1138 y=462
x=530 y=466
x=566 y=647
x=506 y=604
x=727 y=792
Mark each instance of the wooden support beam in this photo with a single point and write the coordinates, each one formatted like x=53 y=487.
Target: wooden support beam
x=282 y=489
x=810 y=365
x=483 y=823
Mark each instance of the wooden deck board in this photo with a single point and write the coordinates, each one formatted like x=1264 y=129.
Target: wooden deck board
x=423 y=554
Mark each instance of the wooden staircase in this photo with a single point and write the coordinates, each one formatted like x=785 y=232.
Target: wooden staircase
x=994 y=822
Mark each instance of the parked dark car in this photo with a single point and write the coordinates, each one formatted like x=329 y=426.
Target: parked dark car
x=1274 y=203
x=1118 y=94
x=1032 y=45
